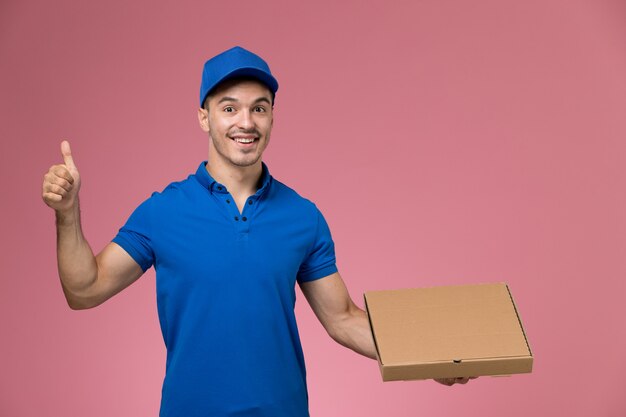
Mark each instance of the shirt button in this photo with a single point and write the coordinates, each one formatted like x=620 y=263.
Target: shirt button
x=244 y=218
x=236 y=218
x=228 y=201
x=219 y=187
x=250 y=202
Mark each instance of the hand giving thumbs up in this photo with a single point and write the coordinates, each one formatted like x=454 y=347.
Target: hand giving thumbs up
x=62 y=182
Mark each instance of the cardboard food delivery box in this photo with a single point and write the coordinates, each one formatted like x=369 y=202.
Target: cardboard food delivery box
x=447 y=332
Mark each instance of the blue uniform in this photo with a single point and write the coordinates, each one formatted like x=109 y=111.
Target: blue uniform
x=226 y=293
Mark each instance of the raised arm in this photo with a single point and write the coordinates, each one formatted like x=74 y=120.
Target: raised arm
x=346 y=323
x=87 y=280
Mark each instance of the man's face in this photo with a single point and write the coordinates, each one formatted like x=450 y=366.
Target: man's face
x=239 y=122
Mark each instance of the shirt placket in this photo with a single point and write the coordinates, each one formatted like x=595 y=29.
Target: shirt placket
x=241 y=221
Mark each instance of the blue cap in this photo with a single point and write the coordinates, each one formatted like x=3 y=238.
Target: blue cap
x=235 y=62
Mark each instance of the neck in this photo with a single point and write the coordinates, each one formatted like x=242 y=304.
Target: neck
x=240 y=181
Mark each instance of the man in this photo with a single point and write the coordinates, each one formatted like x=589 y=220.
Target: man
x=228 y=244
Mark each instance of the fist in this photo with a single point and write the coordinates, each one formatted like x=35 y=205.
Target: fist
x=62 y=182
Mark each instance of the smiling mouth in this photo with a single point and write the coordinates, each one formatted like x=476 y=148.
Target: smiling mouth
x=244 y=140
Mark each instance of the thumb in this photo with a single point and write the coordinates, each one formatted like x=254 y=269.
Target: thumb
x=67 y=155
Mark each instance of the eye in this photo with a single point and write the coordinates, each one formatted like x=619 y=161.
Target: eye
x=229 y=109
x=259 y=109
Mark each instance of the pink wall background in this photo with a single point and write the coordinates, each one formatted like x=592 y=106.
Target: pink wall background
x=447 y=142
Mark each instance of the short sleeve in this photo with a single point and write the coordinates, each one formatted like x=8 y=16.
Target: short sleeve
x=320 y=261
x=135 y=236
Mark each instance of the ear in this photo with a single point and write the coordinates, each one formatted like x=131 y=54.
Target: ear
x=203 y=119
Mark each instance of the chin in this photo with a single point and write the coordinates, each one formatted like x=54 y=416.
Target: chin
x=245 y=163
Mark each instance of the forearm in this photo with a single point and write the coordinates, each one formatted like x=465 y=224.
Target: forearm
x=77 y=265
x=354 y=332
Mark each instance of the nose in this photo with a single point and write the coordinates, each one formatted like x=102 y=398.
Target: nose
x=246 y=121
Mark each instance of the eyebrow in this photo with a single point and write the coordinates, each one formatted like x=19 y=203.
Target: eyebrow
x=258 y=100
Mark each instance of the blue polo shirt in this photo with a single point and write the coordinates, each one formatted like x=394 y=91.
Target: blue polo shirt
x=226 y=293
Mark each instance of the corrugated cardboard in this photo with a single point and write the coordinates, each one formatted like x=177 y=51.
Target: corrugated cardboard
x=447 y=332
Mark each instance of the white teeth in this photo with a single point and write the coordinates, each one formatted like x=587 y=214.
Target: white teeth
x=241 y=140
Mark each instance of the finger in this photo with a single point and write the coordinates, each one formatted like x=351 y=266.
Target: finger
x=62 y=172
x=462 y=380
x=51 y=178
x=445 y=381
x=66 y=151
x=51 y=197
x=63 y=183
x=56 y=189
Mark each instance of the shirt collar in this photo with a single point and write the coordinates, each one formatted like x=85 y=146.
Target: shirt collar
x=208 y=182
